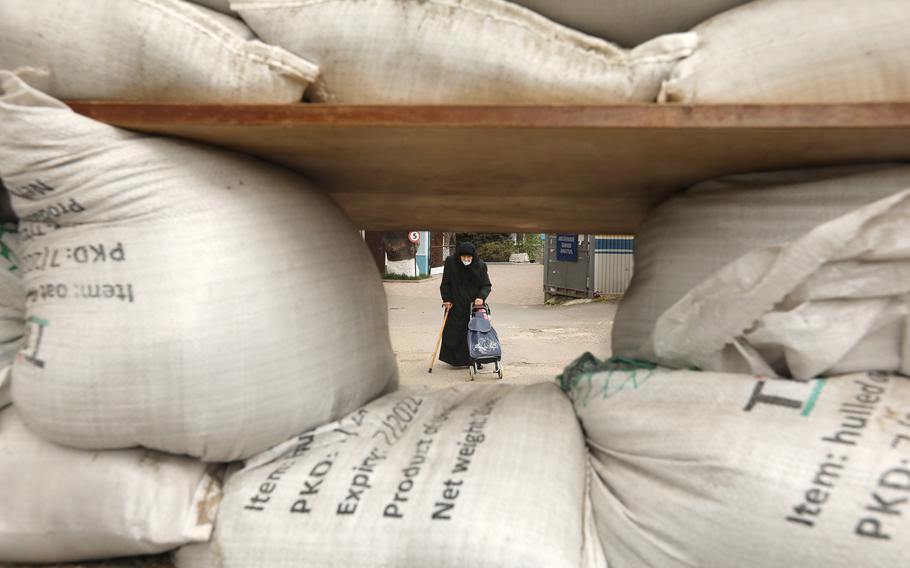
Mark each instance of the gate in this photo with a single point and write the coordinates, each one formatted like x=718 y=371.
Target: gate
x=569 y=269
x=613 y=264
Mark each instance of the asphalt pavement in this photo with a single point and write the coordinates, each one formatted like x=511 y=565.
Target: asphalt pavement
x=538 y=341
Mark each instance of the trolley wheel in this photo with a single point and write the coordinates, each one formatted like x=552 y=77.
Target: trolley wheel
x=498 y=370
x=471 y=372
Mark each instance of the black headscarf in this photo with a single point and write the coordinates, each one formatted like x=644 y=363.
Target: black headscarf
x=476 y=272
x=466 y=249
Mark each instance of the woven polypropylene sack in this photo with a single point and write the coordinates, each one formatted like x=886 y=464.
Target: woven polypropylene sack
x=479 y=475
x=147 y=50
x=180 y=297
x=711 y=469
x=223 y=6
x=458 y=51
x=12 y=306
x=63 y=505
x=805 y=51
x=629 y=22
x=768 y=273
x=12 y=295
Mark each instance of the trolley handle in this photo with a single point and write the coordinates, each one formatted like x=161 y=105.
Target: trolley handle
x=485 y=307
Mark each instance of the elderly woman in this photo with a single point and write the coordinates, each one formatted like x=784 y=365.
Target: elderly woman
x=464 y=282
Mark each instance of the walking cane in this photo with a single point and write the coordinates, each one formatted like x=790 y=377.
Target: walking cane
x=438 y=341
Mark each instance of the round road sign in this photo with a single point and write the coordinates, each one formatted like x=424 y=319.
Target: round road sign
x=414 y=237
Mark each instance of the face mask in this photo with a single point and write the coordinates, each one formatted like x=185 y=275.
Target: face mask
x=467 y=262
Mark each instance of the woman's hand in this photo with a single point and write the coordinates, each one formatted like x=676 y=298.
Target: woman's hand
x=478 y=302
x=447 y=305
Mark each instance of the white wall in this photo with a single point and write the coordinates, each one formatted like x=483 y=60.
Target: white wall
x=403 y=267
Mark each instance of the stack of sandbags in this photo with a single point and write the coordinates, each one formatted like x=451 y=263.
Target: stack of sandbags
x=794 y=273
x=491 y=475
x=458 y=51
x=181 y=298
x=713 y=469
x=61 y=504
x=629 y=22
x=147 y=50
x=794 y=51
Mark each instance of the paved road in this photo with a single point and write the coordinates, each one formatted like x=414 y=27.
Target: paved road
x=538 y=341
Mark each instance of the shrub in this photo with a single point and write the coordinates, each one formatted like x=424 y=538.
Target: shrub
x=496 y=251
x=392 y=276
x=479 y=239
x=532 y=245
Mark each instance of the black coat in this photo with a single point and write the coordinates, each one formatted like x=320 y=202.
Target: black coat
x=461 y=285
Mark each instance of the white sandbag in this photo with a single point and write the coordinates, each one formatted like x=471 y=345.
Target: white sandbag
x=629 y=22
x=458 y=51
x=60 y=504
x=223 y=6
x=477 y=475
x=180 y=297
x=147 y=50
x=5 y=396
x=12 y=295
x=709 y=469
x=12 y=307
x=805 y=51
x=794 y=273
